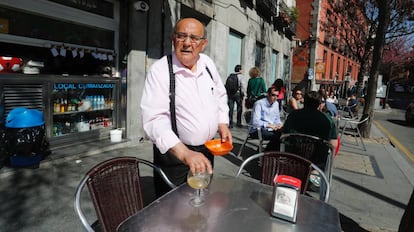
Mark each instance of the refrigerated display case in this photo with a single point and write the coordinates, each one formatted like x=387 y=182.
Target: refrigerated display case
x=76 y=108
x=82 y=106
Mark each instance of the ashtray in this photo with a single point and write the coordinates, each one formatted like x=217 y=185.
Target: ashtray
x=218 y=148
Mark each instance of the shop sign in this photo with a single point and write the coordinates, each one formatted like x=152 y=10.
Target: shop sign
x=66 y=86
x=320 y=67
x=4 y=26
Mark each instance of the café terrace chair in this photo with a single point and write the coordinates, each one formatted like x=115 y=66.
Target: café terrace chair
x=351 y=127
x=248 y=116
x=284 y=163
x=115 y=189
x=313 y=148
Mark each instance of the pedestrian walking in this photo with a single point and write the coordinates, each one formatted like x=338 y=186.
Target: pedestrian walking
x=234 y=87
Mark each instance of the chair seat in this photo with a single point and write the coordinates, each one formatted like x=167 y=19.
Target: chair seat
x=351 y=127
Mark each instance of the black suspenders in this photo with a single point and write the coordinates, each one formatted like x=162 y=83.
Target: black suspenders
x=172 y=93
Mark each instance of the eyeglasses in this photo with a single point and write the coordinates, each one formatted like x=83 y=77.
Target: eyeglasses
x=298 y=93
x=274 y=95
x=181 y=37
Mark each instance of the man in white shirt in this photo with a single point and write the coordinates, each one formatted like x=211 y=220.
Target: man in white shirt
x=200 y=106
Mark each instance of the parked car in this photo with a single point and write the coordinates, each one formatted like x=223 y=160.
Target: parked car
x=409 y=113
x=398 y=88
x=410 y=88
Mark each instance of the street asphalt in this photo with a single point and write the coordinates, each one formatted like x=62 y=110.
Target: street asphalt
x=370 y=188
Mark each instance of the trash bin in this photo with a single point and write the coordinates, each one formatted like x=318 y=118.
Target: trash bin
x=25 y=139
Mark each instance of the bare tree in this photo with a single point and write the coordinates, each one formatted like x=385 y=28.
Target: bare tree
x=372 y=24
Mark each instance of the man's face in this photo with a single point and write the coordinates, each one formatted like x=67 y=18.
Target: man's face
x=272 y=97
x=189 y=41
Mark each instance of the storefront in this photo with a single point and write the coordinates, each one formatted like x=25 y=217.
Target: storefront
x=60 y=57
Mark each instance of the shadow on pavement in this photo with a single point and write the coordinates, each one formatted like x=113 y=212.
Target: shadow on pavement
x=401 y=123
x=372 y=193
x=349 y=225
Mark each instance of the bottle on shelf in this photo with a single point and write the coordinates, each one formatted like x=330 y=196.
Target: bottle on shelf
x=56 y=106
x=62 y=105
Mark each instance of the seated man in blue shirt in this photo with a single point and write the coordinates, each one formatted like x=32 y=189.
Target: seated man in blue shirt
x=266 y=116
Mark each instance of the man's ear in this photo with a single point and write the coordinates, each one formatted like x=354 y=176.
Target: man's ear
x=205 y=42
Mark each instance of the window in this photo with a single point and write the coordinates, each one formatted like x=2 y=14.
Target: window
x=234 y=52
x=275 y=66
x=286 y=68
x=259 y=55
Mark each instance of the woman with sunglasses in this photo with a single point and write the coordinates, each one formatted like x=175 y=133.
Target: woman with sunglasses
x=296 y=101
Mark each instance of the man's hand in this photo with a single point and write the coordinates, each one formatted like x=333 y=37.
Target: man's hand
x=275 y=127
x=225 y=133
x=196 y=161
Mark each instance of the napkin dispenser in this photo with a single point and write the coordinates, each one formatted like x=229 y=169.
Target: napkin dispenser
x=285 y=197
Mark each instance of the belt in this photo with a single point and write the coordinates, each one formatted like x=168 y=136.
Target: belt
x=196 y=148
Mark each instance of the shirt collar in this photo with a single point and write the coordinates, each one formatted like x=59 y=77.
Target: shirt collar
x=180 y=68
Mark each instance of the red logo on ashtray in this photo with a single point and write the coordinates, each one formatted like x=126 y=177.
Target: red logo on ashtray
x=290 y=180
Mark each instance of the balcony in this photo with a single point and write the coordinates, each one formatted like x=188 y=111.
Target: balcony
x=290 y=31
x=267 y=8
x=328 y=39
x=282 y=20
x=335 y=42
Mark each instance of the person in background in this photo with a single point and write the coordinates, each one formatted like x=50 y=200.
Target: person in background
x=311 y=121
x=351 y=105
x=281 y=88
x=328 y=106
x=237 y=98
x=296 y=101
x=266 y=116
x=256 y=87
x=332 y=98
x=200 y=107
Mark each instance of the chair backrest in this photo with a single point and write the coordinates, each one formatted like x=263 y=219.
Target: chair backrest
x=310 y=147
x=284 y=163
x=115 y=189
x=248 y=116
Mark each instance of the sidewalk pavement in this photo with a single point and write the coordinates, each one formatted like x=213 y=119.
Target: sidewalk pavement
x=370 y=188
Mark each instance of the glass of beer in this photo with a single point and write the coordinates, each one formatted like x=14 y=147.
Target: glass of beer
x=198 y=181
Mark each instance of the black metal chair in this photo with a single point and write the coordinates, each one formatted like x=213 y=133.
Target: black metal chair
x=115 y=188
x=351 y=127
x=283 y=163
x=313 y=148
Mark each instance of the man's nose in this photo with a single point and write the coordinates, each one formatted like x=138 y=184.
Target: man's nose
x=187 y=40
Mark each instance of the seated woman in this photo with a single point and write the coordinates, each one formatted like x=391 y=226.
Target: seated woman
x=266 y=116
x=296 y=101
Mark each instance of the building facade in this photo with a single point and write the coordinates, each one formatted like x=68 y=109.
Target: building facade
x=322 y=56
x=121 y=39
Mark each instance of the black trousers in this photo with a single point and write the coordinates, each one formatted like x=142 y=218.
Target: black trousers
x=175 y=170
x=272 y=136
x=238 y=99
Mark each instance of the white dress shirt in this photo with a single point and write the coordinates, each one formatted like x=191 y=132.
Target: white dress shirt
x=200 y=103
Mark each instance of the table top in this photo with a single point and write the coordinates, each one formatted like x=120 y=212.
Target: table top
x=232 y=204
